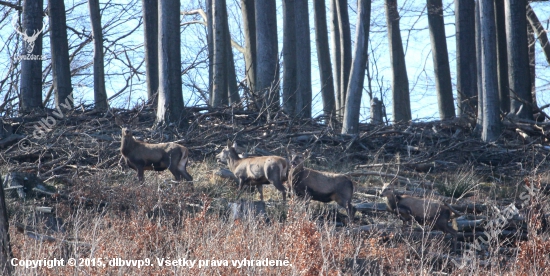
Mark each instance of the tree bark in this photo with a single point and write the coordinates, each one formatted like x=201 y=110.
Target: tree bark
x=232 y=89
x=290 y=80
x=345 y=50
x=170 y=100
x=336 y=51
x=355 y=86
x=466 y=83
x=5 y=253
x=303 y=68
x=323 y=58
x=532 y=62
x=31 y=70
x=100 y=94
x=502 y=57
x=220 y=87
x=479 y=67
x=210 y=42
x=440 y=59
x=518 y=59
x=491 y=118
x=150 y=32
x=61 y=67
x=540 y=31
x=249 y=30
x=267 y=69
x=400 y=80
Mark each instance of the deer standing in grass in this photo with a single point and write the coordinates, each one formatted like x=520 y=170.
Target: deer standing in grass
x=320 y=186
x=425 y=211
x=142 y=156
x=255 y=171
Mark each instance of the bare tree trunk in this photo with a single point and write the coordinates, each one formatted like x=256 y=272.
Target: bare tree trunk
x=219 y=88
x=170 y=100
x=355 y=87
x=323 y=57
x=532 y=62
x=210 y=41
x=479 y=67
x=61 y=67
x=502 y=57
x=441 y=59
x=100 y=94
x=336 y=60
x=303 y=68
x=267 y=70
x=466 y=83
x=5 y=253
x=150 y=32
x=290 y=80
x=31 y=70
x=518 y=59
x=491 y=118
x=345 y=50
x=400 y=80
x=232 y=89
x=249 y=29
x=540 y=31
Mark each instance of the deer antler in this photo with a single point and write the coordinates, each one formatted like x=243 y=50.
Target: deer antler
x=35 y=34
x=17 y=28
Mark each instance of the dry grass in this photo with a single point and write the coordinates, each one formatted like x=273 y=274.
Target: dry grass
x=164 y=220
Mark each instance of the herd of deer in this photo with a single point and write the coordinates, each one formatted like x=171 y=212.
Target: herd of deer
x=304 y=182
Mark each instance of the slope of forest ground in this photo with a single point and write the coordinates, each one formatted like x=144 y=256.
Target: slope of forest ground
x=89 y=205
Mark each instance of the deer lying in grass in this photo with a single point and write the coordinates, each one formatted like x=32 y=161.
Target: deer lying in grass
x=142 y=156
x=320 y=186
x=255 y=170
x=424 y=211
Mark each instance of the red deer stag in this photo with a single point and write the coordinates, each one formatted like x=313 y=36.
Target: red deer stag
x=255 y=170
x=320 y=186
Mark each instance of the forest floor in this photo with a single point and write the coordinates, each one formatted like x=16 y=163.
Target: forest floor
x=70 y=196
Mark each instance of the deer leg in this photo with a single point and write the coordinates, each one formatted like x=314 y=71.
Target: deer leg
x=279 y=185
x=261 y=190
x=140 y=172
x=176 y=173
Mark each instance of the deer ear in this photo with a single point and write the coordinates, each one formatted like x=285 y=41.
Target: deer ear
x=228 y=143
x=235 y=145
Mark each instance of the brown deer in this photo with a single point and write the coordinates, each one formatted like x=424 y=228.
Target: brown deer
x=142 y=156
x=320 y=186
x=255 y=171
x=424 y=211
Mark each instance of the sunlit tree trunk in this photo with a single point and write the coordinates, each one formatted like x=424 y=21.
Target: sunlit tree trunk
x=290 y=81
x=249 y=30
x=323 y=58
x=440 y=59
x=491 y=118
x=170 y=101
x=150 y=32
x=335 y=56
x=355 y=86
x=100 y=94
x=267 y=62
x=400 y=80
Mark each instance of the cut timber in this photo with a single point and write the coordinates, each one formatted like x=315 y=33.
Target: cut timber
x=247 y=210
x=10 y=140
